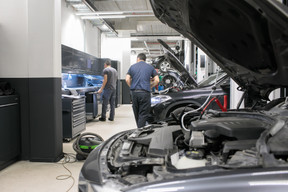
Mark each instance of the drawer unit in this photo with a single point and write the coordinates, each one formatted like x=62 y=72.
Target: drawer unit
x=74 y=117
x=10 y=130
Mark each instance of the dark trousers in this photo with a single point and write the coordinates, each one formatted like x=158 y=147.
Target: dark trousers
x=108 y=96
x=141 y=103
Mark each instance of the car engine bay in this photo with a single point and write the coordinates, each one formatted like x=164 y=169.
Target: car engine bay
x=219 y=141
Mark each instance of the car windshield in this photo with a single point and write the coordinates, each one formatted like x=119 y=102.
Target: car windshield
x=211 y=79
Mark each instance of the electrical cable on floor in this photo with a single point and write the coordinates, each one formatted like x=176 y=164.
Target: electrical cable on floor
x=68 y=158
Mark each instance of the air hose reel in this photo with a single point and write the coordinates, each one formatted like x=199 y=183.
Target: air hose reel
x=85 y=143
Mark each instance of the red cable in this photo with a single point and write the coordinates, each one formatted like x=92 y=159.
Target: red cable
x=225 y=103
x=222 y=107
x=207 y=105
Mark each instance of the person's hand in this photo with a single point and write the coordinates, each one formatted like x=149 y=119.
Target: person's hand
x=100 y=91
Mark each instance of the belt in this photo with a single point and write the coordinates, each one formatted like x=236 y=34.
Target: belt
x=139 y=90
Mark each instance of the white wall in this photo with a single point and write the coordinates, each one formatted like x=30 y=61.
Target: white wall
x=117 y=49
x=79 y=34
x=93 y=40
x=30 y=39
x=133 y=58
x=31 y=35
x=44 y=39
x=13 y=39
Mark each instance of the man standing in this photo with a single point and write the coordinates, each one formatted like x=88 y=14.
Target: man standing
x=138 y=79
x=109 y=91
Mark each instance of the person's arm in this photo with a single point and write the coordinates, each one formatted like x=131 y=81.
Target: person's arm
x=103 y=84
x=128 y=80
x=155 y=81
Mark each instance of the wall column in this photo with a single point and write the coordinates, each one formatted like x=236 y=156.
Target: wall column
x=31 y=63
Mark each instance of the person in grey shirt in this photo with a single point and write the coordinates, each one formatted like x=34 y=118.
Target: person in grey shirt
x=109 y=91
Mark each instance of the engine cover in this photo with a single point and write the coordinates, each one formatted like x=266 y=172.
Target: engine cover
x=235 y=127
x=159 y=140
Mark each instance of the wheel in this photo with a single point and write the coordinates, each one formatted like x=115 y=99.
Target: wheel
x=168 y=81
x=163 y=66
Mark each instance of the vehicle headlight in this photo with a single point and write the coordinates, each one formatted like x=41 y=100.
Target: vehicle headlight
x=159 y=99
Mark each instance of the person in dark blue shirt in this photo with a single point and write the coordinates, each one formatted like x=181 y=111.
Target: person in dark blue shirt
x=141 y=77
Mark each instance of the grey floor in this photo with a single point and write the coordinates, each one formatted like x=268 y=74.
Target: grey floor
x=28 y=176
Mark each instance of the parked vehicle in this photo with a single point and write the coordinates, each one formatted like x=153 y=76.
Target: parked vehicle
x=174 y=100
x=171 y=70
x=180 y=91
x=238 y=150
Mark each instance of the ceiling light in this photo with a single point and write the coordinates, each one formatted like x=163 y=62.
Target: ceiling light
x=149 y=15
x=97 y=13
x=115 y=13
x=104 y=28
x=73 y=1
x=104 y=17
x=112 y=16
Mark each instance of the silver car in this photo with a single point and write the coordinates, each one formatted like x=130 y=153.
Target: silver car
x=216 y=151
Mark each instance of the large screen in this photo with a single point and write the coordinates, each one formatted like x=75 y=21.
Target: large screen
x=78 y=62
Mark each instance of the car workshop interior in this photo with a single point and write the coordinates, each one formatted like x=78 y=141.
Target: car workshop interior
x=218 y=114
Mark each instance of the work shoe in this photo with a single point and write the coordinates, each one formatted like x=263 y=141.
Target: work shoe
x=110 y=119
x=102 y=119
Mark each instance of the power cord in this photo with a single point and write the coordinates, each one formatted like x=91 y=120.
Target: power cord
x=68 y=158
x=195 y=110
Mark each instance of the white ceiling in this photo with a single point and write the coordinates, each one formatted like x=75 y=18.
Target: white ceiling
x=128 y=18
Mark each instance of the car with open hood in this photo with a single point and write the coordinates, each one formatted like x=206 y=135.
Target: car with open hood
x=171 y=70
x=180 y=90
x=238 y=150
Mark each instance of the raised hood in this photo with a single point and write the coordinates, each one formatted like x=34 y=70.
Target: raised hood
x=247 y=38
x=176 y=63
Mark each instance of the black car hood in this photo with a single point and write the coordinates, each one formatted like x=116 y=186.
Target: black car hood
x=247 y=38
x=174 y=61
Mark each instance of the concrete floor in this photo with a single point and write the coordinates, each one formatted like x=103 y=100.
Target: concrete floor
x=28 y=176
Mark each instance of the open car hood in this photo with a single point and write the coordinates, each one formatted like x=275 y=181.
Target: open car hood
x=176 y=64
x=248 y=39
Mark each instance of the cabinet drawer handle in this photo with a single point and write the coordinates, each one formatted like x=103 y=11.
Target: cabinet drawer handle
x=10 y=104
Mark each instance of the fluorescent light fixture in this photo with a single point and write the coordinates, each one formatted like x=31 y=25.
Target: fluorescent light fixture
x=104 y=28
x=73 y=1
x=112 y=16
x=104 y=17
x=97 y=13
x=114 y=13
x=149 y=15
x=147 y=38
